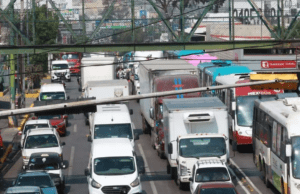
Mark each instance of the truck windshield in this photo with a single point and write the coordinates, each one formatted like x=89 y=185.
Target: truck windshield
x=211 y=174
x=296 y=157
x=114 y=165
x=41 y=141
x=244 y=109
x=113 y=131
x=34 y=126
x=52 y=96
x=202 y=147
x=60 y=66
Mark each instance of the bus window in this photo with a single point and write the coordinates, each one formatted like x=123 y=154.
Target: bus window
x=278 y=143
x=283 y=143
x=274 y=132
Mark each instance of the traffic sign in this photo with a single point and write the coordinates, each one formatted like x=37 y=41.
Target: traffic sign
x=278 y=64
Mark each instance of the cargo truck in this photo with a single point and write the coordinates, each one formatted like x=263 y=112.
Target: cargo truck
x=105 y=89
x=194 y=129
x=97 y=68
x=159 y=76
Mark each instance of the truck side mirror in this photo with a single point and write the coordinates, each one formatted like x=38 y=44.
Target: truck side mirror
x=136 y=136
x=233 y=106
x=234 y=146
x=87 y=172
x=170 y=148
x=191 y=179
x=288 y=150
x=151 y=113
x=89 y=138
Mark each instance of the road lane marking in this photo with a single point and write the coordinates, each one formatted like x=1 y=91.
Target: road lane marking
x=71 y=160
x=246 y=177
x=239 y=181
x=75 y=128
x=154 y=191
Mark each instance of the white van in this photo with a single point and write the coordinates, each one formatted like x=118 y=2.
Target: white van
x=52 y=92
x=60 y=68
x=112 y=167
x=112 y=121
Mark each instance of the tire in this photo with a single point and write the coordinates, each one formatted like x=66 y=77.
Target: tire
x=145 y=126
x=52 y=81
x=86 y=122
x=69 y=80
x=173 y=173
x=180 y=185
x=266 y=181
x=168 y=169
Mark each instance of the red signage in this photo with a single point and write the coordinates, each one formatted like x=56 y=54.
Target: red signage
x=278 y=64
x=247 y=91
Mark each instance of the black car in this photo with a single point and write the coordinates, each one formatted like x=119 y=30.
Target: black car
x=51 y=163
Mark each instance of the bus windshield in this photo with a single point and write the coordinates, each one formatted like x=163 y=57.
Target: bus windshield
x=296 y=157
x=202 y=147
x=244 y=108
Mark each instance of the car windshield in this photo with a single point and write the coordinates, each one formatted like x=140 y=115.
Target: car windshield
x=212 y=174
x=46 y=163
x=202 y=147
x=52 y=96
x=114 y=166
x=41 y=141
x=296 y=157
x=218 y=191
x=70 y=56
x=49 y=117
x=40 y=181
x=60 y=66
x=244 y=109
x=33 y=126
x=113 y=131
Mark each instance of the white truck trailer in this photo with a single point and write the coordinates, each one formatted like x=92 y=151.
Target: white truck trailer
x=97 y=68
x=149 y=74
x=195 y=128
x=105 y=89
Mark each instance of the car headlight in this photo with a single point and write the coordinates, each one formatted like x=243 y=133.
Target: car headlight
x=183 y=170
x=95 y=184
x=135 y=183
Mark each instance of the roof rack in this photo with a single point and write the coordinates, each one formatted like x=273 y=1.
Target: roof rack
x=211 y=161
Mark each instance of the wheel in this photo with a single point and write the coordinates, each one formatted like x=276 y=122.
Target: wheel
x=168 y=169
x=52 y=81
x=86 y=122
x=180 y=184
x=174 y=173
x=266 y=181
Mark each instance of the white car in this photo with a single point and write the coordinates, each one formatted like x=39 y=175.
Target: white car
x=205 y=171
x=31 y=124
x=41 y=140
x=112 y=167
x=60 y=69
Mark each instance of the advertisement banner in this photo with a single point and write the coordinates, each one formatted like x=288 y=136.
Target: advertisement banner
x=278 y=64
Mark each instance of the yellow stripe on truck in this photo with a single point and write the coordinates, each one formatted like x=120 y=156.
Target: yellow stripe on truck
x=256 y=77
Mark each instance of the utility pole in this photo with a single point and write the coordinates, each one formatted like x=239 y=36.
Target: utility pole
x=229 y=10
x=33 y=21
x=232 y=5
x=23 y=56
x=12 y=63
x=83 y=22
x=278 y=19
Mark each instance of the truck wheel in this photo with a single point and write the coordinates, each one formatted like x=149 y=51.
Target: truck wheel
x=173 y=173
x=168 y=169
x=180 y=184
x=145 y=126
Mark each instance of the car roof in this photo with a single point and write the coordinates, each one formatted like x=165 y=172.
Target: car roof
x=60 y=62
x=111 y=147
x=41 y=131
x=52 y=88
x=37 y=121
x=23 y=189
x=216 y=185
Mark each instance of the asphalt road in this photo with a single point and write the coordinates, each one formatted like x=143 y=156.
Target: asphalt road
x=155 y=180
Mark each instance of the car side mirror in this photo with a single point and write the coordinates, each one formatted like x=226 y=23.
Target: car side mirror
x=191 y=179
x=63 y=143
x=87 y=172
x=170 y=148
x=89 y=138
x=136 y=136
x=131 y=112
x=288 y=150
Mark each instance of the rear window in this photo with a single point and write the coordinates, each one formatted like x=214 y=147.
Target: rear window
x=212 y=174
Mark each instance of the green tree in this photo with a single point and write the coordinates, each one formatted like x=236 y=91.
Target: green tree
x=46 y=32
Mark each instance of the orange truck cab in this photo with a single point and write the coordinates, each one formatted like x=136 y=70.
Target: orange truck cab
x=74 y=59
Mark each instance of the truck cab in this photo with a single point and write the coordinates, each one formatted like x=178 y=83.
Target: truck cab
x=74 y=59
x=60 y=70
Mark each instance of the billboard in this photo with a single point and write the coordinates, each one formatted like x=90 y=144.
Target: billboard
x=278 y=64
